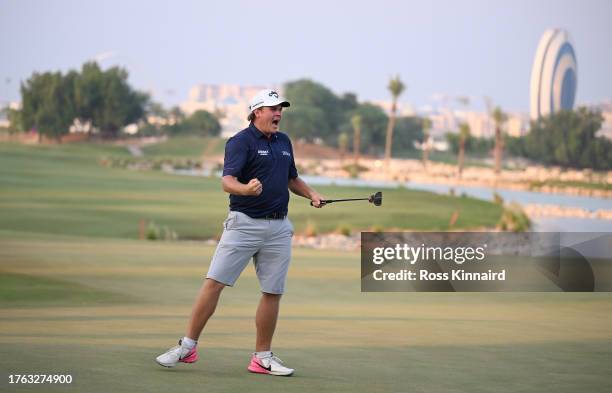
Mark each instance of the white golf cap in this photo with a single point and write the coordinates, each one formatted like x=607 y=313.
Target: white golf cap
x=267 y=97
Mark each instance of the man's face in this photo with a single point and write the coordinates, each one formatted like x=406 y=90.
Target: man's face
x=268 y=118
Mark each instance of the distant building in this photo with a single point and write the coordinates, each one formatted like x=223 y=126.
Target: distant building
x=79 y=126
x=443 y=121
x=605 y=108
x=517 y=124
x=479 y=122
x=14 y=105
x=402 y=109
x=229 y=102
x=434 y=143
x=606 y=127
x=554 y=75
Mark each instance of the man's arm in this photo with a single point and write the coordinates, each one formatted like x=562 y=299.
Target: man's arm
x=299 y=187
x=232 y=186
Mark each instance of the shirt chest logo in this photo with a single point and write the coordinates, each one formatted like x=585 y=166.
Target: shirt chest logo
x=263 y=152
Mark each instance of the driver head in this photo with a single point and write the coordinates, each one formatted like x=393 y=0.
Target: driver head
x=376 y=199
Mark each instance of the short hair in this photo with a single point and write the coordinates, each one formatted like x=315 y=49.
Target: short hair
x=251 y=116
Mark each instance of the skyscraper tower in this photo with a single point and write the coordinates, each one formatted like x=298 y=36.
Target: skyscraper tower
x=554 y=75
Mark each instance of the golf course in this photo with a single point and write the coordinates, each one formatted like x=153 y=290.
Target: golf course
x=82 y=294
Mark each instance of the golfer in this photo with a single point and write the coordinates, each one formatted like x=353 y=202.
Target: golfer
x=258 y=171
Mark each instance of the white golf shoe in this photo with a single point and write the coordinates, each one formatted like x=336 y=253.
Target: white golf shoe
x=271 y=365
x=177 y=354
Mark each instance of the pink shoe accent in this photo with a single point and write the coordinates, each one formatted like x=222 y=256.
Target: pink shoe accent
x=191 y=357
x=256 y=367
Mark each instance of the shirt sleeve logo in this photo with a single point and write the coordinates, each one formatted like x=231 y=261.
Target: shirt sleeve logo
x=286 y=153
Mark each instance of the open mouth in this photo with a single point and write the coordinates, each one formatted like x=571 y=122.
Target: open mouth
x=275 y=122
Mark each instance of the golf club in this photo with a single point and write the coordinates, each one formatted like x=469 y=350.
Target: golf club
x=376 y=199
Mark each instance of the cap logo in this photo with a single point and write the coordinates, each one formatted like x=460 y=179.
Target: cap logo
x=273 y=93
x=258 y=103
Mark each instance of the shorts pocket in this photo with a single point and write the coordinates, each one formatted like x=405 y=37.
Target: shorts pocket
x=230 y=221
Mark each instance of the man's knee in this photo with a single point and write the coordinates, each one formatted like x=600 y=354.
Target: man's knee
x=271 y=296
x=214 y=285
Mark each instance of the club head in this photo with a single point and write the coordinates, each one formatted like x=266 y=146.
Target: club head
x=376 y=199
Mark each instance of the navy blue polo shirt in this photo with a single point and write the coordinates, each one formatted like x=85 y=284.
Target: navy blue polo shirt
x=250 y=154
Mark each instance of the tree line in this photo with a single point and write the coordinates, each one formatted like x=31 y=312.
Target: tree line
x=568 y=139
x=174 y=122
x=101 y=100
x=104 y=100
x=317 y=114
x=51 y=101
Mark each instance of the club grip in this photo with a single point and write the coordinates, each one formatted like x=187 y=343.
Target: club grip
x=323 y=202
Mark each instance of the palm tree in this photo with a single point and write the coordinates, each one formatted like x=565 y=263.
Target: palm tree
x=488 y=105
x=176 y=115
x=396 y=87
x=425 y=144
x=464 y=134
x=356 y=122
x=343 y=140
x=500 y=118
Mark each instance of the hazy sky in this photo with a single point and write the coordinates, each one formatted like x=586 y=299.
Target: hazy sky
x=471 y=48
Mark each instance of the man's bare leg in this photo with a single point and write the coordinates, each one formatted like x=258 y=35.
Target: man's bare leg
x=204 y=307
x=265 y=320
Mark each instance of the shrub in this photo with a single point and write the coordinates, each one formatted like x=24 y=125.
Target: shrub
x=377 y=228
x=497 y=199
x=152 y=231
x=514 y=219
x=344 y=229
x=155 y=232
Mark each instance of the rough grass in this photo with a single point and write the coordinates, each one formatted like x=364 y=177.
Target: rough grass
x=578 y=184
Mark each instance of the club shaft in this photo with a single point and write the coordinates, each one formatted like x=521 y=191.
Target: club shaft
x=345 y=200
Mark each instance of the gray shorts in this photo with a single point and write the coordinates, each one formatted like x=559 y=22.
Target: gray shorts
x=268 y=242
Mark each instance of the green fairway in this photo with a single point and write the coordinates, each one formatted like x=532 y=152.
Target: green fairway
x=22 y=290
x=186 y=147
x=338 y=339
x=63 y=190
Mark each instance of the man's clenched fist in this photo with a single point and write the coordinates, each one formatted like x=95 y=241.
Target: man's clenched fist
x=254 y=187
